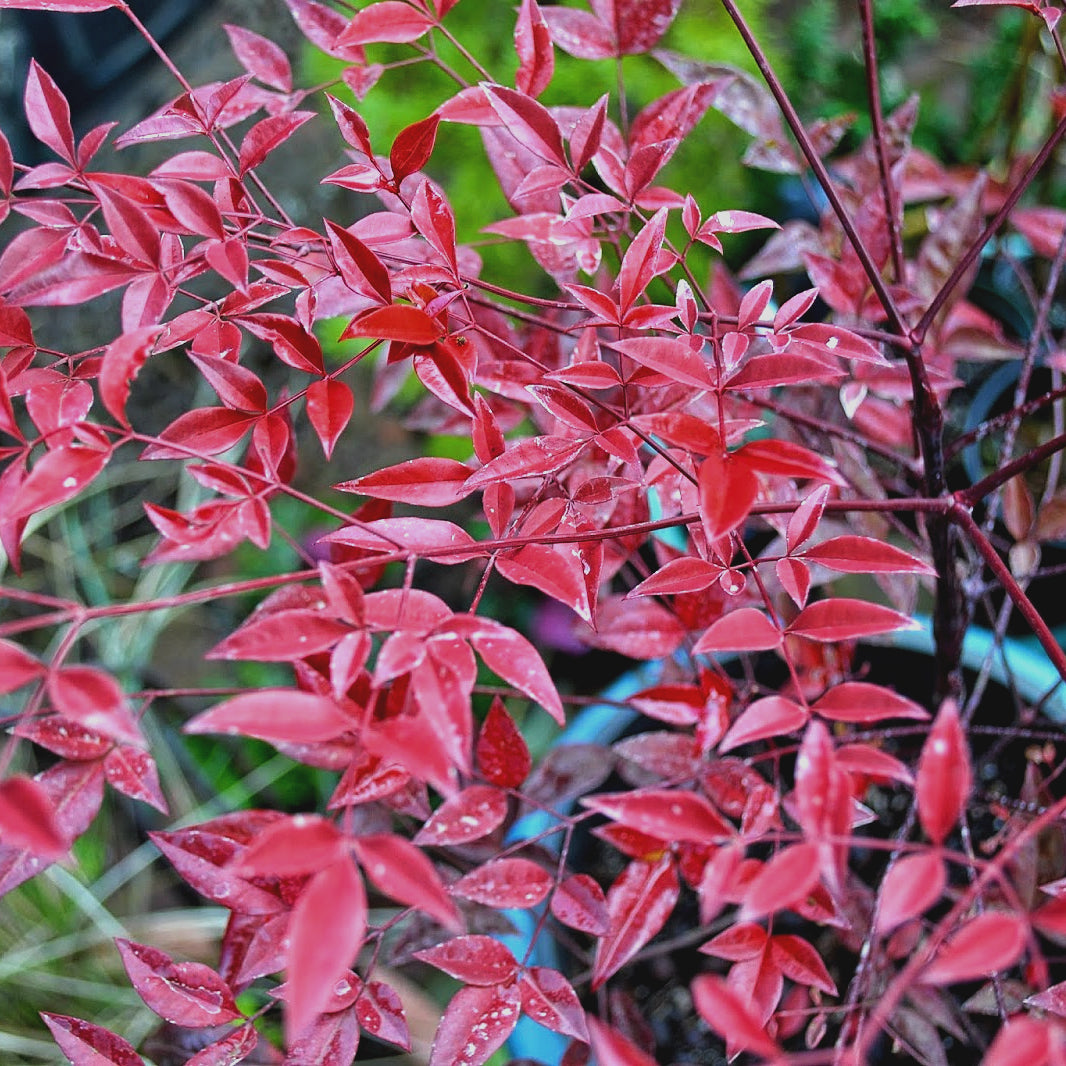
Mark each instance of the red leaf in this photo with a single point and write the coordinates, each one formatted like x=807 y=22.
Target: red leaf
x=388 y=21
x=432 y=217
x=772 y=716
x=534 y=457
x=726 y=1013
x=404 y=874
x=184 y=993
x=475 y=1025
x=266 y=135
x=330 y=406
x=984 y=945
x=17 y=667
x=913 y=884
x=292 y=846
x=640 y=629
x=275 y=714
x=28 y=818
x=397 y=322
x=865 y=555
x=292 y=344
x=745 y=629
x=471 y=814
x=133 y=773
x=64 y=737
x=672 y=358
x=95 y=699
x=944 y=775
x=236 y=386
x=380 y=1014
x=503 y=883
x=360 y=268
x=666 y=814
x=533 y=44
x=687 y=574
x=228 y=1051
x=1023 y=1040
x=502 y=755
x=325 y=934
x=638 y=903
x=799 y=962
x=782 y=458
x=121 y=363
x=260 y=57
x=860 y=701
x=639 y=263
x=530 y=123
x=608 y=1045
x=550 y=1000
x=474 y=960
x=445 y=541
x=83 y=1043
x=579 y=902
x=785 y=880
x=203 y=431
x=845 y=619
x=58 y=476
x=727 y=489
x=413 y=144
x=47 y=110
x=429 y=481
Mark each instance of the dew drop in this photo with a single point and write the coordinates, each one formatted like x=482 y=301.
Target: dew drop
x=69 y=482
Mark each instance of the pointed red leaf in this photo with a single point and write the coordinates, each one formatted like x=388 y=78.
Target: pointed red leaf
x=121 y=364
x=609 y=1046
x=913 y=884
x=799 y=962
x=86 y=1044
x=727 y=492
x=638 y=903
x=784 y=881
x=48 y=112
x=530 y=123
x=746 y=629
x=533 y=457
x=639 y=263
x=944 y=775
x=184 y=993
x=17 y=667
x=860 y=701
x=237 y=387
x=475 y=1025
x=429 y=481
x=380 y=1013
x=471 y=814
x=666 y=814
x=984 y=945
x=865 y=555
x=58 y=476
x=279 y=714
x=330 y=406
x=533 y=44
x=95 y=699
x=301 y=844
x=433 y=218
x=504 y=883
x=385 y=22
x=1023 y=1040
x=28 y=818
x=502 y=754
x=397 y=322
x=228 y=1051
x=672 y=358
x=133 y=772
x=550 y=1000
x=404 y=874
x=260 y=57
x=772 y=716
x=845 y=619
x=325 y=934
x=266 y=135
x=474 y=960
x=579 y=902
x=727 y=1014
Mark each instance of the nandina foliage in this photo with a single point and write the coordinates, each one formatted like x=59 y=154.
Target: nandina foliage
x=741 y=485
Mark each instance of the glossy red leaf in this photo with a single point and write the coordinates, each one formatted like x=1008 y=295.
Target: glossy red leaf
x=471 y=814
x=772 y=716
x=865 y=555
x=860 y=701
x=412 y=148
x=727 y=489
x=550 y=1000
x=745 y=940
x=986 y=944
x=727 y=1014
x=609 y=1046
x=28 y=818
x=133 y=772
x=1023 y=1040
x=639 y=264
x=666 y=814
x=266 y=135
x=260 y=57
x=944 y=775
x=475 y=1024
x=640 y=629
x=228 y=1051
x=385 y=22
x=122 y=362
x=745 y=629
x=95 y=699
x=433 y=218
x=404 y=874
x=678 y=576
x=530 y=123
x=380 y=1013
x=301 y=844
x=638 y=904
x=184 y=993
x=330 y=406
x=785 y=880
x=868 y=761
x=428 y=481
x=911 y=886
x=673 y=359
x=397 y=322
x=799 y=962
x=618 y=27
x=84 y=1043
x=579 y=902
x=57 y=476
x=534 y=457
x=474 y=960
x=64 y=737
x=360 y=268
x=502 y=883
x=292 y=343
x=17 y=667
x=325 y=934
x=502 y=754
x=237 y=387
x=846 y=619
x=203 y=431
x=48 y=112
x=278 y=714
x=533 y=44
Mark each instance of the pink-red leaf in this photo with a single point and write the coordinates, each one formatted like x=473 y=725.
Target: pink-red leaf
x=397 y=322
x=913 y=884
x=845 y=619
x=86 y=1044
x=471 y=814
x=28 y=818
x=666 y=814
x=330 y=406
x=325 y=934
x=260 y=57
x=727 y=1013
x=228 y=1051
x=184 y=993
x=475 y=1025
x=413 y=145
x=727 y=488
x=984 y=945
x=671 y=358
x=786 y=880
x=17 y=667
x=579 y=902
x=284 y=715
x=474 y=960
x=502 y=754
x=292 y=846
x=48 y=112
x=861 y=701
x=550 y=1000
x=503 y=883
x=638 y=904
x=533 y=44
x=58 y=476
x=772 y=716
x=745 y=629
x=428 y=481
x=388 y=21
x=266 y=135
x=404 y=874
x=944 y=775
x=865 y=555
